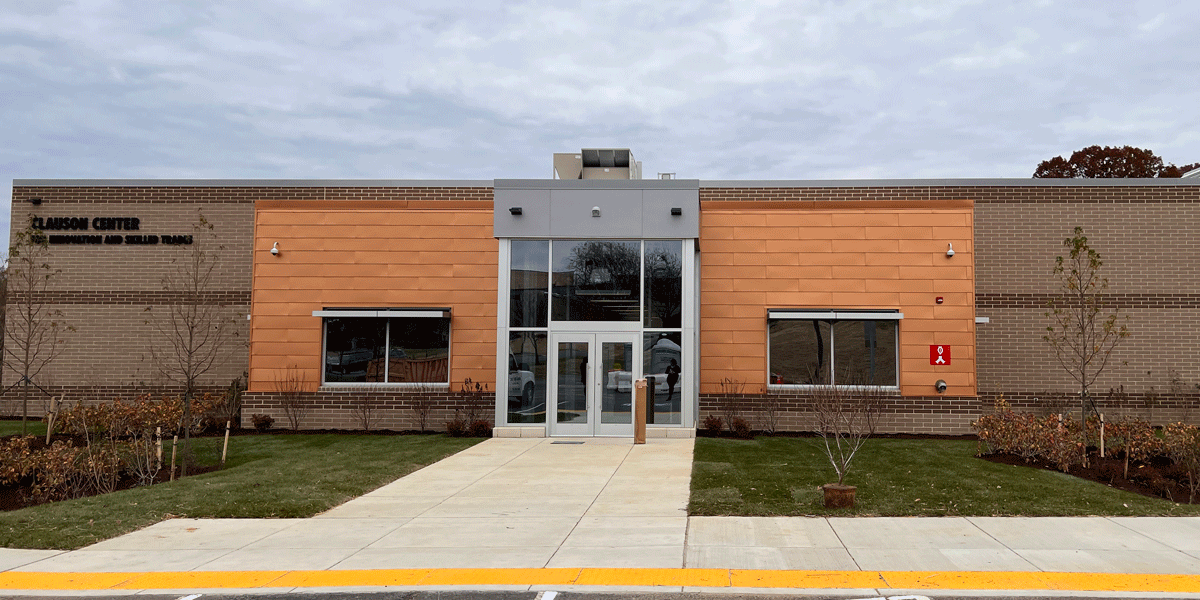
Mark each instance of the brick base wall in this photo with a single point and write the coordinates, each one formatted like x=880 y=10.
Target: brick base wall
x=949 y=415
x=393 y=410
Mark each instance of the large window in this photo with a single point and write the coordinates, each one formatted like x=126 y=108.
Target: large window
x=527 y=377
x=839 y=348
x=387 y=350
x=596 y=280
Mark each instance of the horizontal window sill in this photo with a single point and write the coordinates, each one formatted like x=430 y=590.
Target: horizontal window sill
x=786 y=387
x=354 y=387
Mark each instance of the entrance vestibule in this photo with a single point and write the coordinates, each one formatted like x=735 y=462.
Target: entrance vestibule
x=591 y=383
x=598 y=289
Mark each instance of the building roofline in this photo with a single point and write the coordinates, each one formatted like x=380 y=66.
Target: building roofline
x=597 y=184
x=301 y=183
x=882 y=183
x=607 y=183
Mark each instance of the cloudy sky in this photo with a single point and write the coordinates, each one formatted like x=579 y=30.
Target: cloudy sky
x=483 y=90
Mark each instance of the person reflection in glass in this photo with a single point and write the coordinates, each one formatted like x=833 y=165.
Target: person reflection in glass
x=672 y=378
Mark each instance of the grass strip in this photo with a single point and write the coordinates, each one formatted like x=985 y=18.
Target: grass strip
x=266 y=476
x=780 y=476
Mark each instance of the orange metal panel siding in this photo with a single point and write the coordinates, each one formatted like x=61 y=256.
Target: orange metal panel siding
x=350 y=256
x=821 y=257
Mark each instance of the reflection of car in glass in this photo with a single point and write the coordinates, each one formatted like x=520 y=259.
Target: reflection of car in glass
x=349 y=362
x=520 y=384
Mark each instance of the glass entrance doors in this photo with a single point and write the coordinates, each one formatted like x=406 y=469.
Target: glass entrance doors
x=591 y=379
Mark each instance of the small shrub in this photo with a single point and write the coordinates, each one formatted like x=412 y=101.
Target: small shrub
x=457 y=428
x=1110 y=471
x=1162 y=487
x=481 y=428
x=741 y=428
x=713 y=425
x=16 y=459
x=262 y=422
x=1182 y=444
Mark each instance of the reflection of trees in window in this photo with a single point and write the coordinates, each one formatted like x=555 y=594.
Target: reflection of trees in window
x=664 y=284
x=596 y=281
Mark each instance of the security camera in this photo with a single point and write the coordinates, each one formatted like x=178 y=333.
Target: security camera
x=940 y=386
x=275 y=249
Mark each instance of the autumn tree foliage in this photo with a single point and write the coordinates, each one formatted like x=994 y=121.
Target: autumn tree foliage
x=1109 y=162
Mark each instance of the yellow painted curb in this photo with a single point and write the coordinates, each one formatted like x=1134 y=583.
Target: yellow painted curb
x=709 y=578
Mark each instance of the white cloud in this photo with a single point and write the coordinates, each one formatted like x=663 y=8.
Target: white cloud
x=705 y=89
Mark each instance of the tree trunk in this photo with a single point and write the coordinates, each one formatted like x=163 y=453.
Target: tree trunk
x=187 y=431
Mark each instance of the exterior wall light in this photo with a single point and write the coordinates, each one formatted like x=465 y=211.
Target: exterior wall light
x=940 y=386
x=35 y=201
x=950 y=252
x=515 y=211
x=275 y=249
x=595 y=211
x=675 y=212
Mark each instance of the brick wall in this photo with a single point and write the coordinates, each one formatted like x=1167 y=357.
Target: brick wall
x=103 y=291
x=385 y=409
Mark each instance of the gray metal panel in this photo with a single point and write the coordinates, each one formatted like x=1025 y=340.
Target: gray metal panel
x=878 y=183
x=597 y=184
x=620 y=213
x=534 y=221
x=657 y=222
x=397 y=183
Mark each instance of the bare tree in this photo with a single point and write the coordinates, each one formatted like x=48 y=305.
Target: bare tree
x=846 y=418
x=36 y=331
x=1082 y=331
x=195 y=330
x=366 y=411
x=291 y=384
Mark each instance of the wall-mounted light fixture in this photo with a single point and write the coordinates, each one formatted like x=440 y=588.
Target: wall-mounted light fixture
x=940 y=386
x=676 y=211
x=35 y=201
x=595 y=211
x=950 y=252
x=275 y=249
x=515 y=211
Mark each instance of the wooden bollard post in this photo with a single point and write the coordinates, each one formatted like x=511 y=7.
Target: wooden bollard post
x=639 y=411
x=225 y=447
x=174 y=445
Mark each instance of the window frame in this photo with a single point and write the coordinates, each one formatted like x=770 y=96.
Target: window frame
x=832 y=316
x=387 y=314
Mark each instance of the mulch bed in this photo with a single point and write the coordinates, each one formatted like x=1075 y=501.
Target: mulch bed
x=1156 y=479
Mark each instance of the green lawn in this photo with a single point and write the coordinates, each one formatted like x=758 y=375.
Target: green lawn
x=780 y=476
x=36 y=427
x=266 y=476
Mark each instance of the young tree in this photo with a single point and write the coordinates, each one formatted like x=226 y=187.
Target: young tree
x=36 y=331
x=1082 y=331
x=195 y=331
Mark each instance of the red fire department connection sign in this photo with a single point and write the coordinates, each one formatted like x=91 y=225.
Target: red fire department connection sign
x=939 y=355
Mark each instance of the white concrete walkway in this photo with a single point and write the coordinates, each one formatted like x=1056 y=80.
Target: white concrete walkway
x=506 y=502
x=516 y=503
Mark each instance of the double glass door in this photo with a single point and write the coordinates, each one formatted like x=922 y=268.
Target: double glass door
x=591 y=379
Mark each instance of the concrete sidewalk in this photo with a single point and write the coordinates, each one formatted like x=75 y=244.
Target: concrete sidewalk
x=572 y=515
